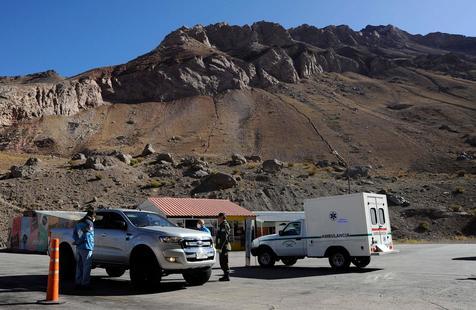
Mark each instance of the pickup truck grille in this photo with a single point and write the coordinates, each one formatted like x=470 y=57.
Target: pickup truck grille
x=196 y=243
x=198 y=250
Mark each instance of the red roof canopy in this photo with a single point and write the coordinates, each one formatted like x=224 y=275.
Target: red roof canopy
x=198 y=207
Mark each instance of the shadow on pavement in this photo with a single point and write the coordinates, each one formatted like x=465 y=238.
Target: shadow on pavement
x=474 y=279
x=465 y=258
x=282 y=272
x=100 y=286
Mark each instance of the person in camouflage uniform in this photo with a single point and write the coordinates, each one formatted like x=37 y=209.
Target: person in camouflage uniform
x=223 y=245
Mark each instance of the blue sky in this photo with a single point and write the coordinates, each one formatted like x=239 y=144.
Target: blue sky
x=73 y=36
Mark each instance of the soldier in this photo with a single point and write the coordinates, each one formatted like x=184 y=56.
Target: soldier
x=223 y=245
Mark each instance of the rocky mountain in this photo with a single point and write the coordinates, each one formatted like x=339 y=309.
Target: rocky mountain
x=299 y=104
x=210 y=60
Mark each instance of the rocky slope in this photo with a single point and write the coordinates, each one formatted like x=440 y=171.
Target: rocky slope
x=44 y=94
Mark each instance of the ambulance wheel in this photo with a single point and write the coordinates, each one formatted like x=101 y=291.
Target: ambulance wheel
x=115 y=272
x=289 y=261
x=266 y=258
x=361 y=261
x=339 y=260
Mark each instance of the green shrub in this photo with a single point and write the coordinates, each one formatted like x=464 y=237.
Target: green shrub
x=458 y=190
x=455 y=208
x=156 y=184
x=135 y=161
x=423 y=227
x=98 y=176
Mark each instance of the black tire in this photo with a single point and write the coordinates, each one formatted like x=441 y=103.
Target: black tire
x=197 y=277
x=361 y=261
x=339 y=260
x=289 y=261
x=266 y=258
x=115 y=272
x=67 y=263
x=145 y=271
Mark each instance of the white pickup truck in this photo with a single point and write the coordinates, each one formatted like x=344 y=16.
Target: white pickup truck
x=144 y=242
x=345 y=229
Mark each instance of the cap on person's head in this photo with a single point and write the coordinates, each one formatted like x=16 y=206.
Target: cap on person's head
x=91 y=213
x=221 y=214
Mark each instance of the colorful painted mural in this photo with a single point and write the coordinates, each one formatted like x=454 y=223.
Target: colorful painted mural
x=29 y=232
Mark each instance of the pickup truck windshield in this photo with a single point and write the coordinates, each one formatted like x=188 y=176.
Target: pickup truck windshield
x=143 y=219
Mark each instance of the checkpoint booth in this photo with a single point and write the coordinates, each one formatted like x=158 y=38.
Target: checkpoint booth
x=186 y=211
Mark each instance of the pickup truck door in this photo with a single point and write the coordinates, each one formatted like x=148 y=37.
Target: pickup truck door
x=111 y=239
x=290 y=241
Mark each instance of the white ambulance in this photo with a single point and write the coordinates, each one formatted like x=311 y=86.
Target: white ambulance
x=346 y=229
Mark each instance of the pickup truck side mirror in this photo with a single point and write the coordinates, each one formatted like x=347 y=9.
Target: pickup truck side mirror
x=280 y=232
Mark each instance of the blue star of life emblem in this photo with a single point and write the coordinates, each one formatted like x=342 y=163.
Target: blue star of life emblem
x=333 y=215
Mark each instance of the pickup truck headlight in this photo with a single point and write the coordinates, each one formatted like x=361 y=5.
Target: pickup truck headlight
x=170 y=239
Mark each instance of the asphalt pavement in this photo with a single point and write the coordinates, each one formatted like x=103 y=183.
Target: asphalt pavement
x=424 y=276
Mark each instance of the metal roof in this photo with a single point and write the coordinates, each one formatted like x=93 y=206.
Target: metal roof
x=198 y=207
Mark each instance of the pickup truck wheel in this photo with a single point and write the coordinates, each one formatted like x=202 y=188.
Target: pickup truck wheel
x=266 y=258
x=339 y=260
x=361 y=261
x=197 y=277
x=67 y=263
x=145 y=271
x=289 y=261
x=115 y=272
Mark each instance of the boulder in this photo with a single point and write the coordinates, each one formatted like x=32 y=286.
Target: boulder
x=162 y=169
x=125 y=158
x=165 y=157
x=199 y=174
x=357 y=171
x=396 y=200
x=471 y=140
x=272 y=165
x=22 y=171
x=464 y=156
x=94 y=163
x=33 y=161
x=78 y=156
x=148 y=150
x=215 y=181
x=238 y=159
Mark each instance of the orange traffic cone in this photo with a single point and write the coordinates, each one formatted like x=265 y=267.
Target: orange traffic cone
x=52 y=292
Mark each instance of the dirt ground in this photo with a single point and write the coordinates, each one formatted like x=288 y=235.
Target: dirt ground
x=441 y=206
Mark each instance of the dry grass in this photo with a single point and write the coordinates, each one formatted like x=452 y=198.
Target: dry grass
x=458 y=190
x=251 y=165
x=455 y=208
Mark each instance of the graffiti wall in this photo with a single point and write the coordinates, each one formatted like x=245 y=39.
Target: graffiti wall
x=30 y=233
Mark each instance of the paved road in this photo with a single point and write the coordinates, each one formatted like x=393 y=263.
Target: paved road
x=431 y=276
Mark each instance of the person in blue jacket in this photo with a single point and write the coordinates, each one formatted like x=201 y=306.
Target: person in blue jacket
x=201 y=226
x=83 y=236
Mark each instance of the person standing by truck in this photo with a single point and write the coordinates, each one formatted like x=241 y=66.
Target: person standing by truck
x=83 y=236
x=201 y=227
x=223 y=245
